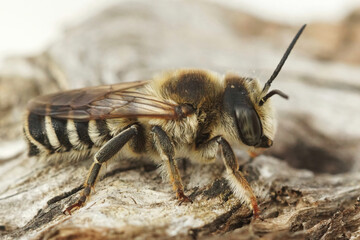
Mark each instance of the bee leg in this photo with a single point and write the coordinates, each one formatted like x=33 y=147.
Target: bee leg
x=240 y=186
x=165 y=148
x=105 y=153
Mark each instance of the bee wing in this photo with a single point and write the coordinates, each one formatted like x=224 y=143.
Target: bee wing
x=124 y=100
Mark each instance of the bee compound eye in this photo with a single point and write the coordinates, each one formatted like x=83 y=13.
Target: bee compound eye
x=249 y=126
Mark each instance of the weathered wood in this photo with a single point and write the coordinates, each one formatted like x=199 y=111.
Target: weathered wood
x=312 y=193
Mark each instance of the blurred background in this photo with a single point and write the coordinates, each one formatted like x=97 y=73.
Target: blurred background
x=29 y=27
x=47 y=46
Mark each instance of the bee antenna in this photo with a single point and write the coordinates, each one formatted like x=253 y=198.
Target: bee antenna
x=283 y=59
x=272 y=93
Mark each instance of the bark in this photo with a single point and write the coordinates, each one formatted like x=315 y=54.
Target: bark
x=307 y=185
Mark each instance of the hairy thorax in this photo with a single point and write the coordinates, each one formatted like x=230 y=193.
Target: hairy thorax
x=201 y=90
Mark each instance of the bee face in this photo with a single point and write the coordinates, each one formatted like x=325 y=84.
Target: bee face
x=249 y=108
x=255 y=125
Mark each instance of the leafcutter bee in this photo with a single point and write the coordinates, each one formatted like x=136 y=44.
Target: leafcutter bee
x=182 y=113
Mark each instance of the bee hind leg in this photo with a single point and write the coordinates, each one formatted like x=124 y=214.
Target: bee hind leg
x=105 y=153
x=165 y=148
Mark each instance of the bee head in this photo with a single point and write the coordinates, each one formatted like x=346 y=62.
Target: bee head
x=245 y=102
x=248 y=120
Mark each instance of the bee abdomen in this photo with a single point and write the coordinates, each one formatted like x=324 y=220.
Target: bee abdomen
x=60 y=128
x=36 y=135
x=48 y=135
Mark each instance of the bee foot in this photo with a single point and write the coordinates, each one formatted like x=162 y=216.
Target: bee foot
x=183 y=198
x=74 y=207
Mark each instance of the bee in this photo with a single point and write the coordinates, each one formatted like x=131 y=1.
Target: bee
x=181 y=113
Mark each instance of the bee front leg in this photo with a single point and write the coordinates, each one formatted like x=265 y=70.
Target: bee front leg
x=238 y=183
x=240 y=186
x=165 y=148
x=105 y=153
